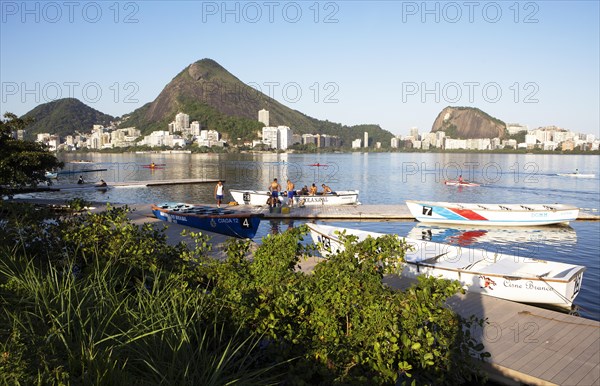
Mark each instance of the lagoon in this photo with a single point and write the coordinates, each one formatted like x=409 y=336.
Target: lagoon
x=387 y=178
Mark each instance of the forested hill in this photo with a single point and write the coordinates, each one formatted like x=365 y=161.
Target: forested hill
x=65 y=117
x=210 y=94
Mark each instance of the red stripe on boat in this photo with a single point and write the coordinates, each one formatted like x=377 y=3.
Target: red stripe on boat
x=468 y=214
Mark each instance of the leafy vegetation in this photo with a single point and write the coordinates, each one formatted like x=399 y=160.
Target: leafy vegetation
x=94 y=299
x=22 y=163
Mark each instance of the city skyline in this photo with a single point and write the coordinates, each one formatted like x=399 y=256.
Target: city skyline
x=396 y=64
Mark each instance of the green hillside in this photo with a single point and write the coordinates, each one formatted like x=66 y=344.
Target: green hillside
x=218 y=100
x=64 y=117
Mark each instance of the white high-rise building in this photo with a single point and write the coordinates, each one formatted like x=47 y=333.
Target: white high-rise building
x=263 y=116
x=285 y=137
x=414 y=132
x=182 y=121
x=356 y=143
x=195 y=128
x=366 y=139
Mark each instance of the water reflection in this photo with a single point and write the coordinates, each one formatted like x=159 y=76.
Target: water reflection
x=468 y=236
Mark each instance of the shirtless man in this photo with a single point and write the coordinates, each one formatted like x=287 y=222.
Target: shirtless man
x=326 y=189
x=274 y=188
x=312 y=190
x=290 y=193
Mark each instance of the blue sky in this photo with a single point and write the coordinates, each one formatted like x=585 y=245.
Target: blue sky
x=393 y=63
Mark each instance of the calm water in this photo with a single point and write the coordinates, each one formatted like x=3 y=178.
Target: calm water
x=390 y=178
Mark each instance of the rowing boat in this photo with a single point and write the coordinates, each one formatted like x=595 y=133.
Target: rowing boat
x=576 y=175
x=260 y=197
x=241 y=224
x=510 y=277
x=460 y=183
x=492 y=214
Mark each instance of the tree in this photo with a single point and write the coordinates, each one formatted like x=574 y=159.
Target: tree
x=22 y=163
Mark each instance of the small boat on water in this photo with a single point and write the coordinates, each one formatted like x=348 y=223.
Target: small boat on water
x=81 y=161
x=576 y=175
x=260 y=197
x=460 y=183
x=154 y=166
x=241 y=224
x=51 y=175
x=492 y=214
x=509 y=277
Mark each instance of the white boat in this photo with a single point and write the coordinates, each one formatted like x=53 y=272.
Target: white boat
x=509 y=277
x=576 y=175
x=260 y=197
x=460 y=183
x=492 y=214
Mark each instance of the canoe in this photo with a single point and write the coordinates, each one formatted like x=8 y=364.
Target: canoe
x=576 y=175
x=465 y=235
x=504 y=276
x=241 y=224
x=492 y=214
x=260 y=197
x=458 y=183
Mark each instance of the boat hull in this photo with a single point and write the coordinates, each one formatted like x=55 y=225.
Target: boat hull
x=226 y=222
x=492 y=214
x=576 y=175
x=256 y=197
x=503 y=276
x=458 y=183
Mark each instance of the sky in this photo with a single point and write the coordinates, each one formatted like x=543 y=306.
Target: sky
x=392 y=63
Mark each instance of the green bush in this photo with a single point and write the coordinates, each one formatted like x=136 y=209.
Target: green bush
x=109 y=302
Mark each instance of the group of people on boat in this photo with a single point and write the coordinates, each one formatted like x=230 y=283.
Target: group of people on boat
x=275 y=189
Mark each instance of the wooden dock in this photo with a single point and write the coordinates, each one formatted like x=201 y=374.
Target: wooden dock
x=530 y=345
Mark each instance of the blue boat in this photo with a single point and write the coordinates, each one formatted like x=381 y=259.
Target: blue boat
x=242 y=224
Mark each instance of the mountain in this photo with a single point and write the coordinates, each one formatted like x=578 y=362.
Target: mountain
x=210 y=94
x=64 y=117
x=468 y=122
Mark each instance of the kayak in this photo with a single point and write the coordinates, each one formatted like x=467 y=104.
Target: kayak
x=458 y=183
x=576 y=175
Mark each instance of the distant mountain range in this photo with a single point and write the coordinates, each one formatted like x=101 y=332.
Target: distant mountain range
x=210 y=94
x=65 y=117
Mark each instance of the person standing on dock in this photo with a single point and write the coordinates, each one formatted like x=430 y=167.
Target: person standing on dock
x=274 y=188
x=290 y=193
x=219 y=192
